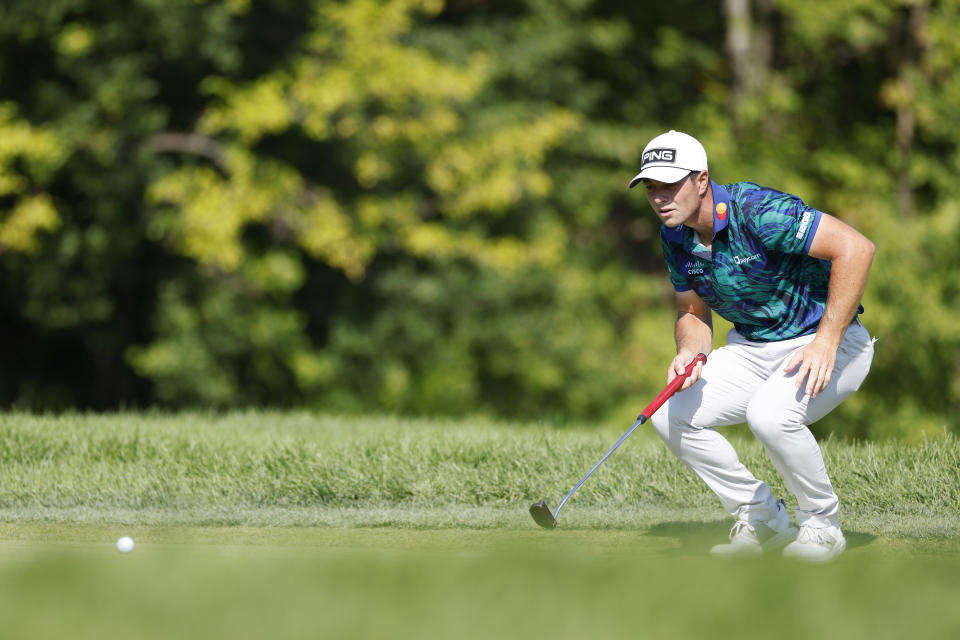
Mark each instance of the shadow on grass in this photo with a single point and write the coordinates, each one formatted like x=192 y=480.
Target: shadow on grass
x=856 y=539
x=699 y=537
x=696 y=537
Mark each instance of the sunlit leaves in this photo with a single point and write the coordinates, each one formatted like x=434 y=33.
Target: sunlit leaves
x=326 y=231
x=31 y=215
x=29 y=156
x=252 y=111
x=498 y=168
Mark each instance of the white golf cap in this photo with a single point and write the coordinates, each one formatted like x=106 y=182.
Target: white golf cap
x=669 y=157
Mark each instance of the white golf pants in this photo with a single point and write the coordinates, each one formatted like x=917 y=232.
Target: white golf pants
x=744 y=381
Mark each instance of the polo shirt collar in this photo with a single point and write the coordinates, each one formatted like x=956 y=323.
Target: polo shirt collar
x=721 y=207
x=721 y=214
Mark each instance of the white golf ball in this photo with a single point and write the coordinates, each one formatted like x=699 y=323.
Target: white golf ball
x=125 y=544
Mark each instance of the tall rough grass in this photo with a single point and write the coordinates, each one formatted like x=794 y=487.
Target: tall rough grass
x=253 y=461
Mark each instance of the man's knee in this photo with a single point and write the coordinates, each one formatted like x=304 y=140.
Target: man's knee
x=661 y=423
x=673 y=419
x=769 y=421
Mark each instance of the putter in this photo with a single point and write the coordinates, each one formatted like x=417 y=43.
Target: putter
x=541 y=512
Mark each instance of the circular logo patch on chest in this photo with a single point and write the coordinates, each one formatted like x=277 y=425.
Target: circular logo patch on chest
x=722 y=211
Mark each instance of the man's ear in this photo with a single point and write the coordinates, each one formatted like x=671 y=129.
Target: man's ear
x=703 y=183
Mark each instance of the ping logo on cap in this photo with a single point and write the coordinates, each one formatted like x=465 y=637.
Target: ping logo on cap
x=658 y=155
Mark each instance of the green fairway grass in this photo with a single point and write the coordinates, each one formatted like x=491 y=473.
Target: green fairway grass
x=268 y=525
x=228 y=582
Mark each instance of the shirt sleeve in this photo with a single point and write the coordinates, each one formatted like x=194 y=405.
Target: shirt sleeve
x=673 y=255
x=785 y=224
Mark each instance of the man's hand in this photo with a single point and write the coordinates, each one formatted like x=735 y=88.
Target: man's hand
x=679 y=365
x=850 y=255
x=816 y=362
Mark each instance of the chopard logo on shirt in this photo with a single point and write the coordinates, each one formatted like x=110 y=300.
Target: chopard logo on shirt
x=746 y=260
x=694 y=268
x=804 y=223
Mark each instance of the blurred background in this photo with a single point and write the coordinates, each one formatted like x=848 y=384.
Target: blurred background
x=419 y=207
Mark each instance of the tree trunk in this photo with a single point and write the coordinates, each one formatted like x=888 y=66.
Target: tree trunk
x=906 y=115
x=749 y=46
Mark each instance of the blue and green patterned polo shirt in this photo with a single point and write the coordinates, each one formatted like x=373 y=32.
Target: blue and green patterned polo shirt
x=758 y=274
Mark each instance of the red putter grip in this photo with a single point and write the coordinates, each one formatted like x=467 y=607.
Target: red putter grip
x=671 y=389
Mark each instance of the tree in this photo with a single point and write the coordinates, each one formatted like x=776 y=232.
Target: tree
x=420 y=207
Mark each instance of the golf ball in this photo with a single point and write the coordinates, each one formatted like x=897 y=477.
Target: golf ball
x=125 y=544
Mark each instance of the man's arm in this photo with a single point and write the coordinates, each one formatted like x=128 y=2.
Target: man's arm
x=850 y=254
x=694 y=334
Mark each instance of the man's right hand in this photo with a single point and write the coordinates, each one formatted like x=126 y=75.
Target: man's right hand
x=679 y=365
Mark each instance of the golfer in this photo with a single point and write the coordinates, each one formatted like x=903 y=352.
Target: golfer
x=790 y=279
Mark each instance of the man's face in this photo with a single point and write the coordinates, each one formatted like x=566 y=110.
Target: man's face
x=676 y=202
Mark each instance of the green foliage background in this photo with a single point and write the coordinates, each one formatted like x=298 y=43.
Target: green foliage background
x=420 y=207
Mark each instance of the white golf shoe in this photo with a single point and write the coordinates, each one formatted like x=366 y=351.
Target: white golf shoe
x=816 y=544
x=753 y=538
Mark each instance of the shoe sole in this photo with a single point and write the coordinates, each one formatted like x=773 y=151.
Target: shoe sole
x=827 y=557
x=770 y=544
x=729 y=551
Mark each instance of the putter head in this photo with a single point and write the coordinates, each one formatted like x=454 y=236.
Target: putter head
x=542 y=516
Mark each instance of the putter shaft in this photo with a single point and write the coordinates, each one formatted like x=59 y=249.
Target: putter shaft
x=539 y=510
x=640 y=420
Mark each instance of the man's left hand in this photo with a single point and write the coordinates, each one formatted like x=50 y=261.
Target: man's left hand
x=816 y=362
